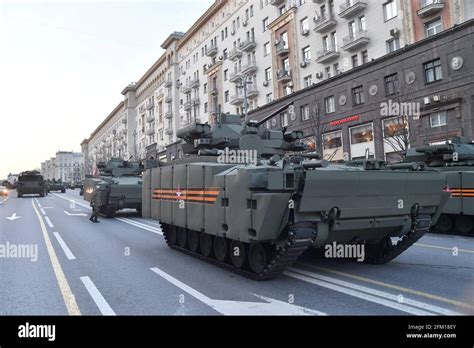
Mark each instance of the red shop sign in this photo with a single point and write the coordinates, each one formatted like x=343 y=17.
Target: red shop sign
x=344 y=120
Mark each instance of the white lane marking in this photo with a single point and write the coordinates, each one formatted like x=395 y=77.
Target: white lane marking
x=443 y=248
x=62 y=243
x=48 y=221
x=139 y=225
x=42 y=211
x=152 y=223
x=6 y=199
x=379 y=293
x=69 y=214
x=68 y=296
x=269 y=307
x=125 y=220
x=99 y=300
x=358 y=294
x=13 y=217
x=47 y=207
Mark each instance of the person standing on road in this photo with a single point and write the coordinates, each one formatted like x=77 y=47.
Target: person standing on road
x=95 y=204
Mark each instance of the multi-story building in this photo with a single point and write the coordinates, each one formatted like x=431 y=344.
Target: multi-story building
x=241 y=55
x=66 y=166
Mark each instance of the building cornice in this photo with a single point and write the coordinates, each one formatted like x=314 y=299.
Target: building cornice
x=169 y=40
x=283 y=19
x=107 y=119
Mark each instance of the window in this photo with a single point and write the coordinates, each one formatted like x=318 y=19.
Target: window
x=438 y=119
x=362 y=23
x=265 y=24
x=357 y=95
x=307 y=81
x=224 y=53
x=389 y=10
x=433 y=71
x=355 y=61
x=269 y=97
x=391 y=84
x=362 y=134
x=251 y=10
x=287 y=90
x=307 y=54
x=268 y=74
x=284 y=39
x=284 y=119
x=433 y=27
x=328 y=72
x=332 y=140
x=304 y=113
x=304 y=25
x=205 y=107
x=226 y=96
x=266 y=49
x=302 y=2
x=286 y=64
x=330 y=104
x=226 y=74
x=336 y=68
x=365 y=56
x=204 y=87
x=395 y=127
x=393 y=45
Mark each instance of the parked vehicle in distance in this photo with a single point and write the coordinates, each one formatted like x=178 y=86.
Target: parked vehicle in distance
x=56 y=185
x=31 y=182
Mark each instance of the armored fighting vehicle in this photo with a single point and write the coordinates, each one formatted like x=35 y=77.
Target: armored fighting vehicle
x=455 y=160
x=31 y=183
x=56 y=185
x=120 y=185
x=251 y=200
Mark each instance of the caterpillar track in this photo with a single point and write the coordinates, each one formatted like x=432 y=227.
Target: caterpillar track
x=384 y=251
x=299 y=239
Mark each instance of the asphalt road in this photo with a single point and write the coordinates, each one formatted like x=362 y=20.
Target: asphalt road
x=122 y=266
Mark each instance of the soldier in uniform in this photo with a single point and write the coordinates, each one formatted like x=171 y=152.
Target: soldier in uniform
x=95 y=204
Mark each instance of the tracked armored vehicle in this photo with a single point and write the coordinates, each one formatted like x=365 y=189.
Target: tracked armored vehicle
x=257 y=215
x=120 y=185
x=455 y=160
x=56 y=185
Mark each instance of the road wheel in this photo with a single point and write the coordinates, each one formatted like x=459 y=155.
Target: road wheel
x=193 y=240
x=258 y=257
x=172 y=235
x=445 y=224
x=206 y=244
x=238 y=254
x=464 y=224
x=182 y=237
x=221 y=249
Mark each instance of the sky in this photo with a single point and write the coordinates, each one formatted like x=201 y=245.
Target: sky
x=64 y=63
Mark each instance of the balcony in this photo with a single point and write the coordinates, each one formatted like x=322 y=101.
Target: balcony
x=150 y=105
x=324 y=56
x=169 y=114
x=318 y=1
x=187 y=88
x=276 y=2
x=150 y=118
x=248 y=45
x=211 y=51
x=355 y=41
x=282 y=49
x=169 y=99
x=168 y=83
x=195 y=101
x=249 y=68
x=142 y=109
x=169 y=131
x=195 y=83
x=351 y=8
x=235 y=76
x=252 y=92
x=150 y=131
x=235 y=54
x=237 y=99
x=429 y=7
x=283 y=76
x=213 y=91
x=187 y=105
x=324 y=23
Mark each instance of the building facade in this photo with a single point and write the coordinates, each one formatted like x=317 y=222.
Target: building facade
x=67 y=166
x=242 y=55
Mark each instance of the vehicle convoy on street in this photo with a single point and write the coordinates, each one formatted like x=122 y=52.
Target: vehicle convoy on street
x=257 y=216
x=120 y=185
x=455 y=160
x=31 y=182
x=56 y=185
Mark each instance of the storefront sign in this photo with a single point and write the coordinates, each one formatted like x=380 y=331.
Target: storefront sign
x=344 y=120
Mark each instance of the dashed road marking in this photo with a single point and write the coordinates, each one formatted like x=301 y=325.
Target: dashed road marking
x=443 y=248
x=48 y=221
x=62 y=243
x=99 y=300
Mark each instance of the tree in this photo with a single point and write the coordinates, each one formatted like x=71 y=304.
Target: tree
x=393 y=132
x=317 y=126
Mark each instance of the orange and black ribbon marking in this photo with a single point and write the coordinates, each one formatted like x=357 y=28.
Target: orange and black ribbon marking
x=193 y=195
